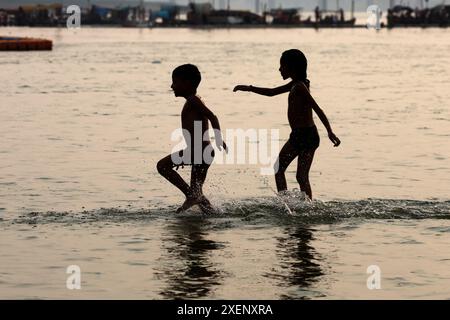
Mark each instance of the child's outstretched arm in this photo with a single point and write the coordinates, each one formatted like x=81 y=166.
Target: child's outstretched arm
x=214 y=123
x=270 y=92
x=308 y=99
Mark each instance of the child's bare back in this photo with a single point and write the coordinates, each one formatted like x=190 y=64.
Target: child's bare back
x=194 y=121
x=304 y=138
x=299 y=110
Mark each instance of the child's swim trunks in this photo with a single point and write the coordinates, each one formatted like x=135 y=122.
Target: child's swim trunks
x=180 y=159
x=305 y=138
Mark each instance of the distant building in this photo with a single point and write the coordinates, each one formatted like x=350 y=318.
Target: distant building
x=205 y=14
x=404 y=16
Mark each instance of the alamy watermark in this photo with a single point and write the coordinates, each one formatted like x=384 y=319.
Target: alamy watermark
x=250 y=146
x=73 y=281
x=74 y=20
x=374 y=280
x=374 y=17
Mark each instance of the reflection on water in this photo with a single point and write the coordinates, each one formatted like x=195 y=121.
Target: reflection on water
x=84 y=124
x=297 y=268
x=187 y=269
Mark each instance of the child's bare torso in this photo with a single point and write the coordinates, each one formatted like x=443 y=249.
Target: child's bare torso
x=190 y=115
x=299 y=112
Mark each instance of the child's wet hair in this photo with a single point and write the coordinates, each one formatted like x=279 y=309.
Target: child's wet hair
x=296 y=61
x=188 y=72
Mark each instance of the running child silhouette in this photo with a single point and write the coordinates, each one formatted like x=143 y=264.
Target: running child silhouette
x=199 y=153
x=304 y=138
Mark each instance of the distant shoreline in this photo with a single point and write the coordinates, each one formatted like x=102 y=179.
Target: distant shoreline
x=204 y=27
x=210 y=27
x=207 y=26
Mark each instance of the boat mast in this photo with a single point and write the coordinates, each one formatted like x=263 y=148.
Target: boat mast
x=353 y=9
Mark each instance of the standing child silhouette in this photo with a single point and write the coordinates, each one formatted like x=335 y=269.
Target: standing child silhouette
x=304 y=138
x=199 y=153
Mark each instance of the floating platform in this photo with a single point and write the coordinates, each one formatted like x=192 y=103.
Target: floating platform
x=24 y=44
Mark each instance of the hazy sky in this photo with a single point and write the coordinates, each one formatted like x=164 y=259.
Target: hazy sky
x=361 y=5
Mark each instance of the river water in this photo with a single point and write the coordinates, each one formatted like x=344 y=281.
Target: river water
x=83 y=126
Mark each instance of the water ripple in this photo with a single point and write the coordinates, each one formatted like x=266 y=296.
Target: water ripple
x=268 y=210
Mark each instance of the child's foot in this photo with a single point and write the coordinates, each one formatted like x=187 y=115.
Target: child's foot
x=206 y=206
x=202 y=202
x=190 y=202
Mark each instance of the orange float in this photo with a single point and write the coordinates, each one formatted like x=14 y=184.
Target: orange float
x=24 y=44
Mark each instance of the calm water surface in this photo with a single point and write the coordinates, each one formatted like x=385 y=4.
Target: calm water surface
x=83 y=126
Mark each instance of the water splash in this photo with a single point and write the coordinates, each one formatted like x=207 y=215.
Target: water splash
x=264 y=210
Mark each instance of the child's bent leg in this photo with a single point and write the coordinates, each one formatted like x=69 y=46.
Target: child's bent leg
x=287 y=154
x=198 y=176
x=165 y=168
x=305 y=159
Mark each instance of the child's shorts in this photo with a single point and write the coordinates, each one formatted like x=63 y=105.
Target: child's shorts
x=305 y=138
x=190 y=160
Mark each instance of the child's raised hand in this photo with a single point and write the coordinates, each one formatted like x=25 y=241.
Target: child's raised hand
x=334 y=139
x=241 y=88
x=224 y=146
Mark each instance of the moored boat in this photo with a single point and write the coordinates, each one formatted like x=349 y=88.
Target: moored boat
x=24 y=44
